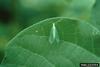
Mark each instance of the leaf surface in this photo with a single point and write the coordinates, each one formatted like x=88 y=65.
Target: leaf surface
x=55 y=42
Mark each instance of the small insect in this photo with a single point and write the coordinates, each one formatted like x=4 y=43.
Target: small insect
x=54 y=37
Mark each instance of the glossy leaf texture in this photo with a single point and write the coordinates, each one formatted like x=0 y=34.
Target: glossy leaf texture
x=55 y=42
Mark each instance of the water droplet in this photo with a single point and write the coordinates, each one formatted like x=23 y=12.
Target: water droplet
x=54 y=37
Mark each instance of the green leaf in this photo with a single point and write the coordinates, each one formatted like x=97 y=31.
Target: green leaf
x=95 y=20
x=96 y=14
x=11 y=65
x=21 y=56
x=56 y=42
x=80 y=10
x=37 y=10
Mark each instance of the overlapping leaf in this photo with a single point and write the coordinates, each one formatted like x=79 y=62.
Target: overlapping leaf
x=79 y=9
x=11 y=65
x=37 y=10
x=96 y=14
x=56 y=42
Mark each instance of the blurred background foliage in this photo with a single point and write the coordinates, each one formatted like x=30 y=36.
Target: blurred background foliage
x=15 y=15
